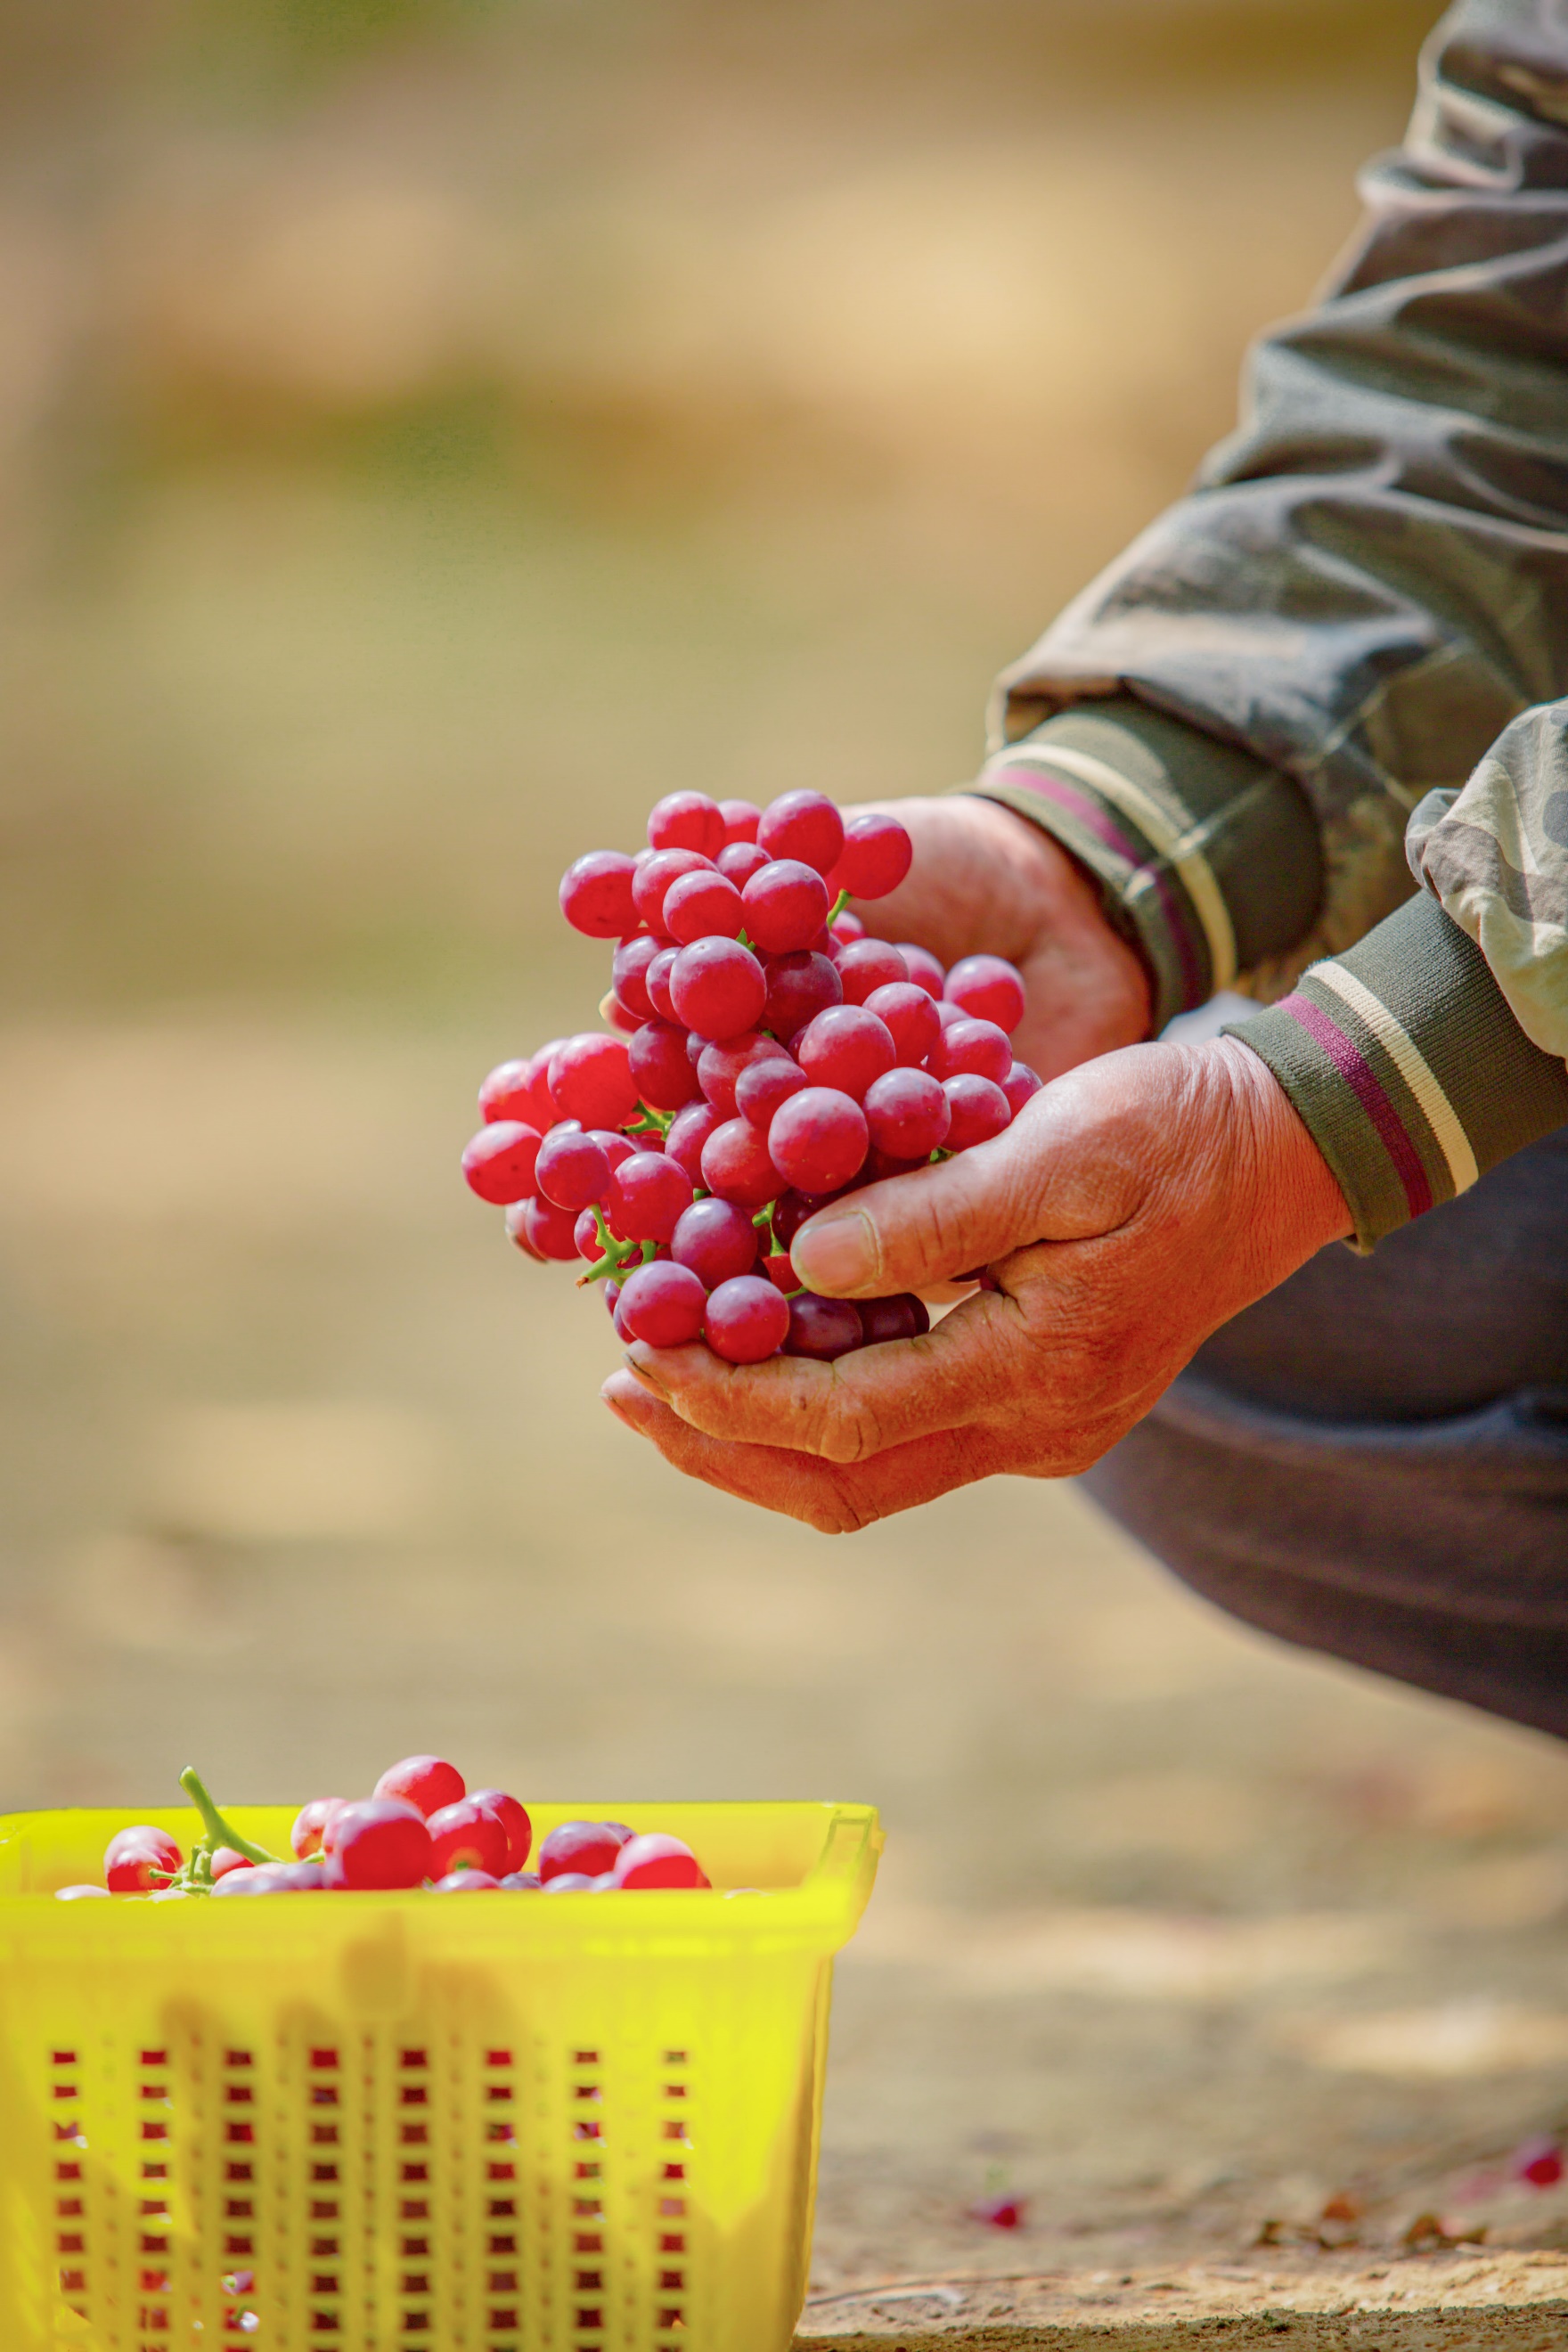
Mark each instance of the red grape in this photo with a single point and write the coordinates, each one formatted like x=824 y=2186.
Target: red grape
x=948 y=1014
x=428 y=1782
x=545 y=1113
x=717 y=1240
x=823 y=1327
x=882 y=1165
x=791 y=1211
x=465 y=1836
x=780 y=1271
x=740 y=861
x=654 y=878
x=655 y=1860
x=381 y=1843
x=574 y=1882
x=805 y=826
x=616 y=1146
x=718 y=988
x=970 y=1045
x=572 y=1169
x=719 y=1067
x=924 y=968
x=900 y=1318
x=736 y=1164
x=662 y=1304
x=1019 y=1084
x=980 y=1110
x=911 y=1019
x=764 y=1084
x=800 y=986
x=688 y=1132
x=747 y=1319
x=868 y=965
x=877 y=854
x=1538 y=2160
x=513 y=1818
x=817 y=1140
x=785 y=905
x=585 y=1849
x=657 y=982
x=907 y=1113
x=545 y=1231
x=596 y=894
x=468 y=1881
x=703 y=906
x=614 y=1013
x=132 y=1856
x=311 y=1823
x=499 y=1163
x=591 y=1079
x=1005 y=2212
x=225 y=1861
x=623 y=1332
x=660 y=1067
x=277 y=1878
x=628 y=971
x=846 y=927
x=741 y=819
x=988 y=988
x=648 y=1195
x=507 y=1094
x=687 y=821
x=846 y=1047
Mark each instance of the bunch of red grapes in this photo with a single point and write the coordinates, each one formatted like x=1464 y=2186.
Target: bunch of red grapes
x=421 y=1827
x=762 y=1056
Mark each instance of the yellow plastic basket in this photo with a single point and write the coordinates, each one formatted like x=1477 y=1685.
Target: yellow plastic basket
x=350 y=2123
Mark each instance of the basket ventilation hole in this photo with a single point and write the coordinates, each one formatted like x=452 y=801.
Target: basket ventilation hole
x=71 y=2245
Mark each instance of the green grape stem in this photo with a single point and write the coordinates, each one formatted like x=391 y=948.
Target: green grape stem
x=617 y=1255
x=219 y=1831
x=838 y=906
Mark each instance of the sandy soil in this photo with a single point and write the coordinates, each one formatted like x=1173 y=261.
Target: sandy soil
x=1179 y=1936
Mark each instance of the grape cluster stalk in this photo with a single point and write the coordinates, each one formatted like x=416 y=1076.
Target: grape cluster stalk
x=762 y=1055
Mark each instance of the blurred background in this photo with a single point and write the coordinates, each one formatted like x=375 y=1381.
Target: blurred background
x=429 y=432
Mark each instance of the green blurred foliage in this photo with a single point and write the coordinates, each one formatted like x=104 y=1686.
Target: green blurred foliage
x=431 y=428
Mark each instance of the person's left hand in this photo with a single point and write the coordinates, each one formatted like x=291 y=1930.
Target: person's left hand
x=1135 y=1205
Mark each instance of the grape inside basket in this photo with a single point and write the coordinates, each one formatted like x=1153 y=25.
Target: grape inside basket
x=397 y=2120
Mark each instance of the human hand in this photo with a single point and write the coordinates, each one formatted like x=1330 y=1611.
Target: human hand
x=985 y=881
x=1132 y=1208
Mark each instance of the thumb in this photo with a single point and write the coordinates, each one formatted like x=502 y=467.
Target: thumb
x=1042 y=1180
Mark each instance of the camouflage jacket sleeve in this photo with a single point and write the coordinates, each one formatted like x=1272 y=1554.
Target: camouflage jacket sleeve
x=1341 y=625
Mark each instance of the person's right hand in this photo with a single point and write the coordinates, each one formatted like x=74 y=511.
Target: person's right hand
x=985 y=881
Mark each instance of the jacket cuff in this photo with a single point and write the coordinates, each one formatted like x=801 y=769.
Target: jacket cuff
x=1208 y=858
x=1403 y=1060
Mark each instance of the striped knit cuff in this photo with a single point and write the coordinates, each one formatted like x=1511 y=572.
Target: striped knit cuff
x=1406 y=1063
x=1208 y=859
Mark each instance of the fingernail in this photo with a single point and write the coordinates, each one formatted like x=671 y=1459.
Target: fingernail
x=837 y=1251
x=627 y=1399
x=645 y=1373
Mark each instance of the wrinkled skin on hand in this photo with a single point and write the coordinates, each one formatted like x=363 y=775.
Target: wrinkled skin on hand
x=1136 y=1205
x=985 y=881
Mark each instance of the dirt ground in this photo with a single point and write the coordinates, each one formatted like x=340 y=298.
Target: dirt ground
x=1179 y=1936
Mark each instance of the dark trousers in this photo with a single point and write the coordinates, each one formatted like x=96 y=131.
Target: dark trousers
x=1374 y=1460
